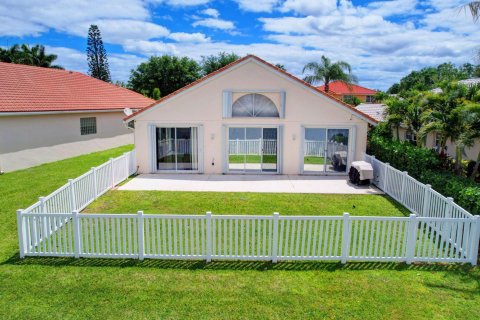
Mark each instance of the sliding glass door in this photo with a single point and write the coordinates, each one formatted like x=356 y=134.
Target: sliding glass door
x=325 y=150
x=252 y=150
x=177 y=149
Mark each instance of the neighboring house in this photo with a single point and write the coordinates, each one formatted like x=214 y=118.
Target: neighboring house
x=375 y=110
x=249 y=117
x=50 y=114
x=343 y=91
x=467 y=82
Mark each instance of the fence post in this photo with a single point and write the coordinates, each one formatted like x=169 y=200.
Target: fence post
x=141 y=236
x=449 y=208
x=426 y=200
x=475 y=239
x=21 y=233
x=127 y=165
x=76 y=234
x=73 y=205
x=209 y=236
x=112 y=172
x=404 y=181
x=95 y=187
x=276 y=216
x=345 y=237
x=411 y=238
x=385 y=178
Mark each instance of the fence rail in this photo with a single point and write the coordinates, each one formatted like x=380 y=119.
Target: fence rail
x=274 y=237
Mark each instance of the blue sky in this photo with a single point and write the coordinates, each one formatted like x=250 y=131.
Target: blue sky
x=382 y=40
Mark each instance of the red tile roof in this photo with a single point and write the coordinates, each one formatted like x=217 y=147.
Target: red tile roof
x=340 y=87
x=250 y=56
x=34 y=89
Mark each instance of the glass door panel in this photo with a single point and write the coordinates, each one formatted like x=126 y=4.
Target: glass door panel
x=269 y=150
x=166 y=149
x=236 y=149
x=177 y=149
x=253 y=149
x=314 y=150
x=337 y=150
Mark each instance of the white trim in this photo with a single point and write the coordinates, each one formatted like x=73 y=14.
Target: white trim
x=39 y=113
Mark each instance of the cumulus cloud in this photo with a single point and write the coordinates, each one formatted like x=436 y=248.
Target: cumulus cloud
x=214 y=24
x=189 y=37
x=257 y=5
x=211 y=12
x=309 y=7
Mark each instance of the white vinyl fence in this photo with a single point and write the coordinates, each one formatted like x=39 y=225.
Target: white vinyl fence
x=252 y=147
x=437 y=231
x=274 y=238
x=319 y=148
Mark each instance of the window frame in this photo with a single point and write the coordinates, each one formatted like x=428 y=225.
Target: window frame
x=88 y=126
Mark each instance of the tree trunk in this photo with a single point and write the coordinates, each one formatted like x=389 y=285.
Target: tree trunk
x=475 y=168
x=398 y=133
x=458 y=160
x=327 y=87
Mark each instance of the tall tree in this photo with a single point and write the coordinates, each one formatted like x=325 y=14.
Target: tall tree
x=326 y=71
x=474 y=7
x=167 y=73
x=97 y=55
x=32 y=56
x=212 y=63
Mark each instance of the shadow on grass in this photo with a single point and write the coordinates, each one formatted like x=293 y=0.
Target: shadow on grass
x=397 y=205
x=237 y=265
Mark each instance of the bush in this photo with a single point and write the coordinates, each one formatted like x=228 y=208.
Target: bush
x=425 y=165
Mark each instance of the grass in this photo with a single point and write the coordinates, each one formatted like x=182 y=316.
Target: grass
x=314 y=160
x=65 y=288
x=245 y=203
x=252 y=158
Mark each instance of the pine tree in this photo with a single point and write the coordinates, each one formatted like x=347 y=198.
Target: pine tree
x=97 y=56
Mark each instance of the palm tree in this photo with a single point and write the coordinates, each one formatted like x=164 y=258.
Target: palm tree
x=326 y=71
x=471 y=117
x=36 y=56
x=474 y=8
x=396 y=110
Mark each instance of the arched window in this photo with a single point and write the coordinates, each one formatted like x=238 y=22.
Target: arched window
x=254 y=105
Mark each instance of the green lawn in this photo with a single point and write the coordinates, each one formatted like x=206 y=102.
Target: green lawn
x=64 y=288
x=314 y=160
x=245 y=203
x=236 y=158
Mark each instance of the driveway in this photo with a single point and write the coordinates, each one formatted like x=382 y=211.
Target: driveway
x=247 y=183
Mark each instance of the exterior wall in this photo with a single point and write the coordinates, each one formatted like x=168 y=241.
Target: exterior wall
x=204 y=106
x=27 y=132
x=470 y=153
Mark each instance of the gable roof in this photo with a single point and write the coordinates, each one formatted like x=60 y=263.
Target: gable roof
x=340 y=87
x=253 y=57
x=34 y=89
x=374 y=110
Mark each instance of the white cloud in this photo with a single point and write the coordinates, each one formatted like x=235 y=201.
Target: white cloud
x=20 y=28
x=214 y=24
x=310 y=7
x=149 y=48
x=180 y=3
x=257 y=5
x=211 y=12
x=189 y=37
x=392 y=7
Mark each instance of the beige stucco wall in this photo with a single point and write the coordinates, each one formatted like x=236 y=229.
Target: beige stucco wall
x=204 y=106
x=470 y=153
x=34 y=131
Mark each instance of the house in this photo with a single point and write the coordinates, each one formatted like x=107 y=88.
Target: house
x=50 y=114
x=345 y=91
x=249 y=117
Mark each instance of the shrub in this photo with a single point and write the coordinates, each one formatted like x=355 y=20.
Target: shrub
x=425 y=165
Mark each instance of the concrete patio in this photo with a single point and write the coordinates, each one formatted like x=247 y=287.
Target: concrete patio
x=247 y=183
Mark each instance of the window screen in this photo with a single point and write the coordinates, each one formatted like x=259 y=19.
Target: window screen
x=254 y=105
x=88 y=126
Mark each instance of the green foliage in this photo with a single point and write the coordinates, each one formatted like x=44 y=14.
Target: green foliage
x=212 y=63
x=352 y=100
x=432 y=77
x=156 y=94
x=326 y=71
x=403 y=155
x=280 y=66
x=32 y=56
x=167 y=73
x=97 y=55
x=425 y=165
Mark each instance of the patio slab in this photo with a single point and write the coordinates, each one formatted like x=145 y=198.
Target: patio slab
x=247 y=183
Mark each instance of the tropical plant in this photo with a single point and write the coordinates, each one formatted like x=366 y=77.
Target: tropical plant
x=325 y=71
x=352 y=100
x=396 y=110
x=212 y=63
x=97 y=55
x=32 y=56
x=167 y=73
x=474 y=8
x=471 y=118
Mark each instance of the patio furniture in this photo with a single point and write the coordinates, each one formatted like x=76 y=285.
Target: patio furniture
x=360 y=173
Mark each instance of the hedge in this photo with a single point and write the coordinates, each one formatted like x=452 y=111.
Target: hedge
x=425 y=165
